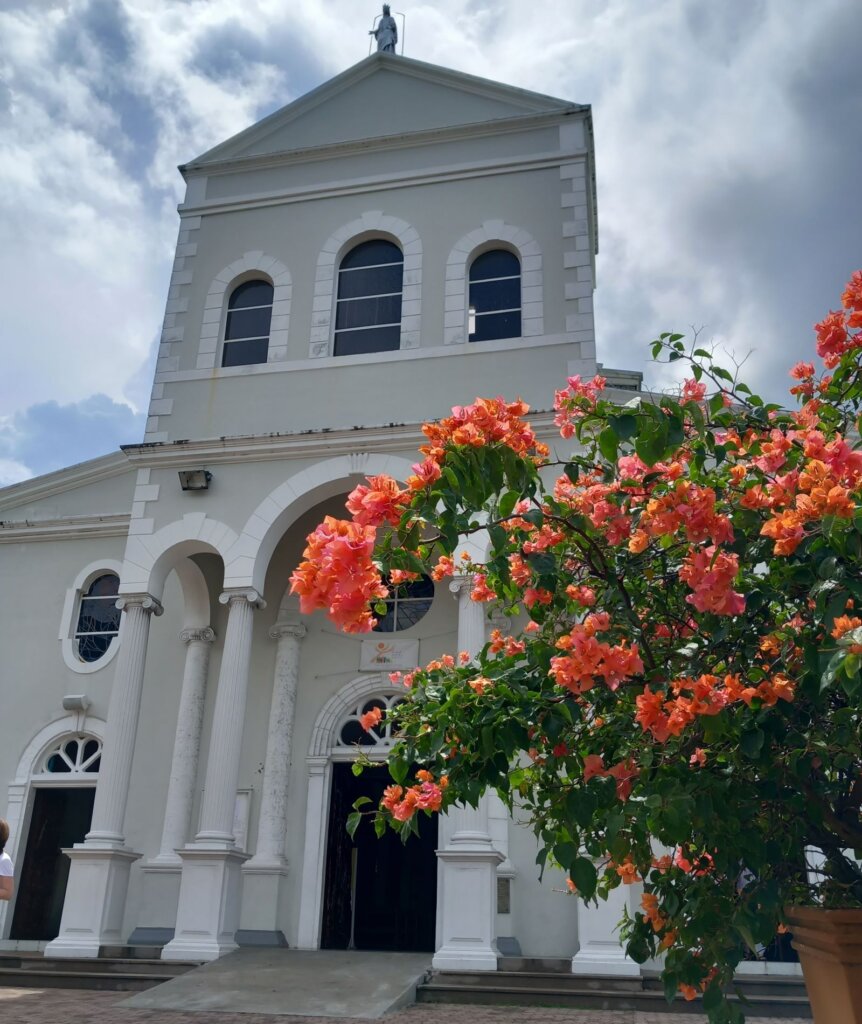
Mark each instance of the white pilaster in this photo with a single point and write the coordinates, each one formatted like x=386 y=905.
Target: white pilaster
x=263 y=874
x=99 y=872
x=314 y=854
x=209 y=901
x=162 y=873
x=599 y=950
x=467 y=874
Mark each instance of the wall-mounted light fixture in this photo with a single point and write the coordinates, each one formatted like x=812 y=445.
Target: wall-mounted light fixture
x=195 y=479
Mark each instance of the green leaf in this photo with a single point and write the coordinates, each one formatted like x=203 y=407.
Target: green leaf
x=583 y=874
x=565 y=854
x=609 y=444
x=507 y=503
x=379 y=826
x=361 y=802
x=751 y=743
x=624 y=426
x=353 y=823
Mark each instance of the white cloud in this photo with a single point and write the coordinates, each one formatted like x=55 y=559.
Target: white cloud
x=725 y=134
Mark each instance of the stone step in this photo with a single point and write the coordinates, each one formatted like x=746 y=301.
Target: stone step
x=530 y=988
x=546 y=965
x=24 y=970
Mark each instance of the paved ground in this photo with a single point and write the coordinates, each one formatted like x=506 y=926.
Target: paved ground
x=50 y=1006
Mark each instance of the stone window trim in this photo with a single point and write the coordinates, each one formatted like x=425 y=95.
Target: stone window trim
x=69 y=619
x=372 y=224
x=493 y=234
x=250 y=266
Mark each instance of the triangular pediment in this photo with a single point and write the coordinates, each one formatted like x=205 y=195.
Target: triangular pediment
x=382 y=97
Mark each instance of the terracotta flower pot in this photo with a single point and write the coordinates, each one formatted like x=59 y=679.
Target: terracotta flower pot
x=829 y=943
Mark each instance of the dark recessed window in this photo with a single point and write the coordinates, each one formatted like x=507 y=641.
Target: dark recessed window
x=246 y=333
x=495 y=296
x=405 y=606
x=98 y=618
x=368 y=306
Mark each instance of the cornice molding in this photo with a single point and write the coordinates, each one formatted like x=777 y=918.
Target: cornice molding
x=401 y=437
x=79 y=475
x=69 y=528
x=379 y=183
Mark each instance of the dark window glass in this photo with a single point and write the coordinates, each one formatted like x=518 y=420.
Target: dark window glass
x=248 y=323
x=374 y=312
x=370 y=254
x=354 y=733
x=497 y=263
x=57 y=764
x=368 y=306
x=90 y=748
x=98 y=618
x=406 y=605
x=495 y=296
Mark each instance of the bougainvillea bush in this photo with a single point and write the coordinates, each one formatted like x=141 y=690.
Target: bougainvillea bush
x=679 y=701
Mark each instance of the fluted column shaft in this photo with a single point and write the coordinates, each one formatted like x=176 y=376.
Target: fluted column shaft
x=273 y=803
x=225 y=747
x=187 y=743
x=115 y=769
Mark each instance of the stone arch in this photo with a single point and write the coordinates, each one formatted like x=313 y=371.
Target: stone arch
x=148 y=561
x=333 y=711
x=525 y=247
x=248 y=557
x=246 y=266
x=372 y=224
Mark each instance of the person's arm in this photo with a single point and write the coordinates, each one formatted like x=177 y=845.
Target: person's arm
x=7 y=887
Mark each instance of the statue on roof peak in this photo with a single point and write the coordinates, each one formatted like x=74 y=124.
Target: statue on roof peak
x=386 y=32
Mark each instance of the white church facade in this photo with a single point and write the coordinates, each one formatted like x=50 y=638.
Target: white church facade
x=398 y=241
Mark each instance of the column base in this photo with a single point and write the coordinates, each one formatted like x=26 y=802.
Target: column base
x=468 y=912
x=95 y=899
x=600 y=950
x=209 y=903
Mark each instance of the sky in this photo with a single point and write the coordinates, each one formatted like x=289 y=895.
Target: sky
x=729 y=159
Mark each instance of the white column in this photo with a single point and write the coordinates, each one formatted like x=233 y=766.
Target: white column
x=599 y=950
x=467 y=875
x=99 y=872
x=263 y=874
x=187 y=744
x=209 y=901
x=162 y=874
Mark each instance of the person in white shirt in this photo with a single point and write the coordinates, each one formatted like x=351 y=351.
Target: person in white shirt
x=7 y=868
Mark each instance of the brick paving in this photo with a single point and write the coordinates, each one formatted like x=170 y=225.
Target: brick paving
x=50 y=1006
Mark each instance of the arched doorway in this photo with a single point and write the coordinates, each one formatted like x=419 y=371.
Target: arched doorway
x=57 y=809
x=368 y=893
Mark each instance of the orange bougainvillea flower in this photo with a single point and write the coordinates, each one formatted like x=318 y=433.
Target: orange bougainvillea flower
x=844 y=624
x=382 y=502
x=370 y=718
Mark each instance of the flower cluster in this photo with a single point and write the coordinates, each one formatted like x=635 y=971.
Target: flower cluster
x=487 y=421
x=588 y=660
x=426 y=795
x=575 y=401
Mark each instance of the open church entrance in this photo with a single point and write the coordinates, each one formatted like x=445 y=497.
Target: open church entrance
x=60 y=818
x=380 y=894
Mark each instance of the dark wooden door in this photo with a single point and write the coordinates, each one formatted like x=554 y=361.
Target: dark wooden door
x=396 y=883
x=60 y=818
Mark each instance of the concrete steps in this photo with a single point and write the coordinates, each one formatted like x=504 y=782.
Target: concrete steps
x=116 y=974
x=522 y=981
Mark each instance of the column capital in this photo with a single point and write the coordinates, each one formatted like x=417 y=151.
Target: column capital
x=242 y=594
x=203 y=633
x=296 y=630
x=460 y=583
x=146 y=601
x=498 y=620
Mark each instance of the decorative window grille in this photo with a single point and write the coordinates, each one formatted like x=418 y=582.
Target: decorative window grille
x=351 y=732
x=368 y=305
x=406 y=605
x=495 y=296
x=98 y=618
x=74 y=755
x=249 y=316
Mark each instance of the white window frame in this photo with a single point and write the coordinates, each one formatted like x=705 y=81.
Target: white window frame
x=69 y=620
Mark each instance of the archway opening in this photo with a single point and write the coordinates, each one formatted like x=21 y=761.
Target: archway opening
x=379 y=893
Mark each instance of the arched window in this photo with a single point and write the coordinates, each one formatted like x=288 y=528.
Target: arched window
x=80 y=754
x=406 y=605
x=368 y=306
x=246 y=332
x=351 y=733
x=495 y=296
x=98 y=617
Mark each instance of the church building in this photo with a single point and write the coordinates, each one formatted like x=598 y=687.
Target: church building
x=176 y=738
